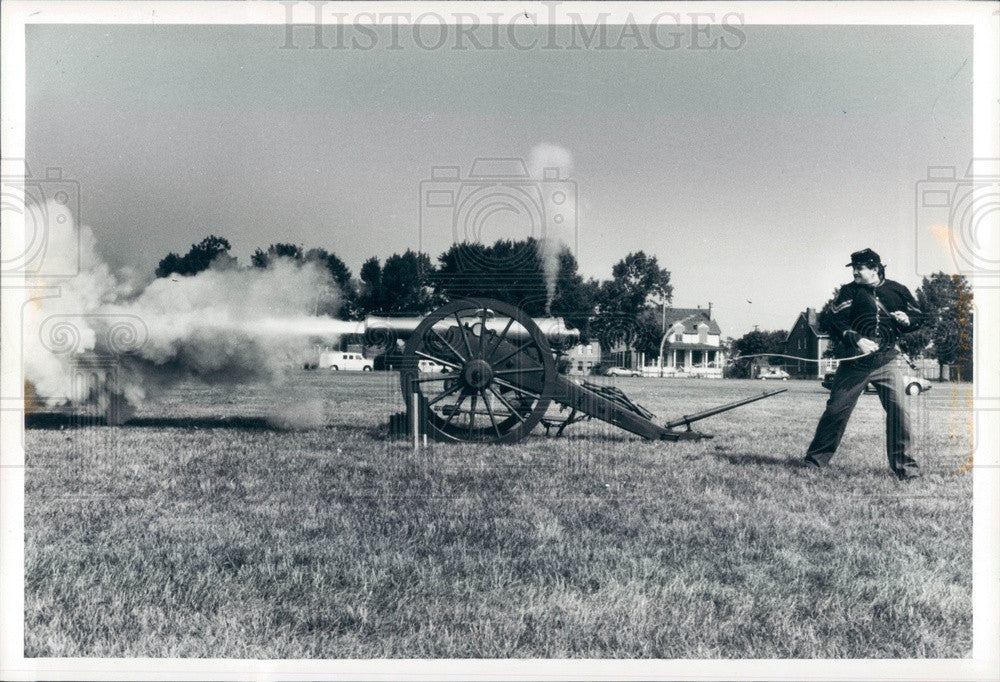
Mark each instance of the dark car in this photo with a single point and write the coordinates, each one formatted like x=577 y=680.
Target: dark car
x=392 y=360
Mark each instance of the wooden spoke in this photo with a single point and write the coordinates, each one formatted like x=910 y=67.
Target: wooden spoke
x=444 y=394
x=446 y=363
x=482 y=334
x=450 y=347
x=510 y=407
x=439 y=377
x=455 y=411
x=512 y=353
x=516 y=357
x=503 y=335
x=518 y=371
x=461 y=328
x=518 y=389
x=489 y=410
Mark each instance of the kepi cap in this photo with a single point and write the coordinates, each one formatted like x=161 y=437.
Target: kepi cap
x=865 y=257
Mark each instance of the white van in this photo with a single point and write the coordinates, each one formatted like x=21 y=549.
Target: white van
x=336 y=360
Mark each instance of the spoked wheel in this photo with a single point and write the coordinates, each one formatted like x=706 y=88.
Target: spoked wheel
x=498 y=372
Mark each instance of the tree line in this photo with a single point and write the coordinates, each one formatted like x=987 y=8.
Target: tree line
x=625 y=308
x=539 y=279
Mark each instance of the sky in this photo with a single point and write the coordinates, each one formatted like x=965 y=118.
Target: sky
x=750 y=173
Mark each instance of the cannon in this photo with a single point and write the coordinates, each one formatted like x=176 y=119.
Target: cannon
x=500 y=378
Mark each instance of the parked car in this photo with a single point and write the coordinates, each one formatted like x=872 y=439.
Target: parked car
x=914 y=385
x=773 y=373
x=622 y=372
x=431 y=366
x=336 y=361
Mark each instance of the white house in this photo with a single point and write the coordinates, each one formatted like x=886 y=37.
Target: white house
x=693 y=346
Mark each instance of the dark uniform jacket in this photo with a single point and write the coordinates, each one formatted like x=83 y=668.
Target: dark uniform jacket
x=862 y=311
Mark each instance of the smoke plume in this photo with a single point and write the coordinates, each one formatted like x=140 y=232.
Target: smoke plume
x=545 y=156
x=221 y=325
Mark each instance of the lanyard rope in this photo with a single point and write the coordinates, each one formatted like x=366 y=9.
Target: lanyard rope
x=906 y=357
x=796 y=357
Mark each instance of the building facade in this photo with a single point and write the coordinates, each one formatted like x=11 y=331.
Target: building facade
x=582 y=358
x=692 y=348
x=806 y=340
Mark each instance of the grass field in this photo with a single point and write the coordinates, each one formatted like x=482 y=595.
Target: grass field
x=199 y=531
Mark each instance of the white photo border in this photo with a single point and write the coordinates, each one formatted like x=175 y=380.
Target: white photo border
x=984 y=663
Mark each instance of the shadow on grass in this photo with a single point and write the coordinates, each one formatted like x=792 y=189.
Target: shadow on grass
x=58 y=420
x=743 y=458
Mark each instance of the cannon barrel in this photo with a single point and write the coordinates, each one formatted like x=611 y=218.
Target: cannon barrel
x=689 y=419
x=554 y=328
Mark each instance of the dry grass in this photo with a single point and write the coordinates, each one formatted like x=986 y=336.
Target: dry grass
x=199 y=532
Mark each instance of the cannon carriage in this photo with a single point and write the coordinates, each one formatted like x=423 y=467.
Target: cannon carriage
x=500 y=379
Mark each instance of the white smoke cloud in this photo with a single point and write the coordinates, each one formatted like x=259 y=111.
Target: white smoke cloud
x=221 y=325
x=550 y=156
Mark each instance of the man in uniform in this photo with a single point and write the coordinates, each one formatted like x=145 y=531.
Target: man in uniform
x=868 y=317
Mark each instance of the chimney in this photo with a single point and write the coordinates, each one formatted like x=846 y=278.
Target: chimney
x=710 y=310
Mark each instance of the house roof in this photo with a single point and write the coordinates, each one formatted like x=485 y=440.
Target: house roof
x=691 y=318
x=812 y=323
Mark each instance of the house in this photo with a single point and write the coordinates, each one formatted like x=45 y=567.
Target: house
x=693 y=346
x=806 y=340
x=583 y=357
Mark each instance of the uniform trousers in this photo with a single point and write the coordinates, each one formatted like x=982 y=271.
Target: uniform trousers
x=848 y=384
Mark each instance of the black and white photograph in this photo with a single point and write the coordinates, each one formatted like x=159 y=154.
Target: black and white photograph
x=500 y=340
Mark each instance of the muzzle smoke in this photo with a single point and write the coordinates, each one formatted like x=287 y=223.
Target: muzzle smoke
x=544 y=156
x=221 y=325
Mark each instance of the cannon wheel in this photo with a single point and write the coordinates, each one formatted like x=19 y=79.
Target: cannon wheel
x=468 y=402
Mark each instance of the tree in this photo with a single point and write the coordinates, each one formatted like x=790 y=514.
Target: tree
x=636 y=281
x=211 y=251
x=170 y=264
x=574 y=299
x=371 y=297
x=947 y=303
x=509 y=271
x=403 y=285
x=514 y=272
x=755 y=343
x=627 y=304
x=261 y=259
x=406 y=283
x=341 y=276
